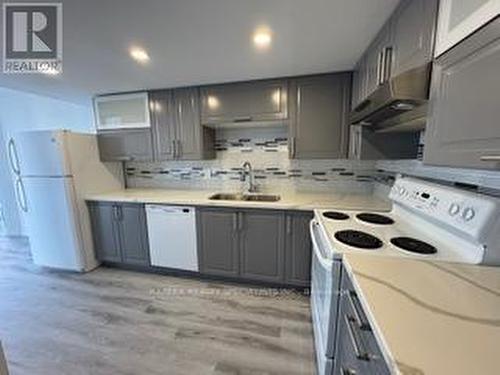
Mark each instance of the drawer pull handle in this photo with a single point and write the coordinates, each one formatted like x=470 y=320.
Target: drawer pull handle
x=243 y=119
x=355 y=341
x=490 y=158
x=359 y=316
x=347 y=371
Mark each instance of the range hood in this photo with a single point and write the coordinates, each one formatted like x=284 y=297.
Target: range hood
x=400 y=104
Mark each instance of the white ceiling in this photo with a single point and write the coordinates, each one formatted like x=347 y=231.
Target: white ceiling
x=201 y=41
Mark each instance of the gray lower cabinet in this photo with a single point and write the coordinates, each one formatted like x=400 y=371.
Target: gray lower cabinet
x=125 y=145
x=262 y=245
x=463 y=128
x=357 y=349
x=218 y=245
x=105 y=231
x=120 y=232
x=298 y=248
x=319 y=107
x=255 y=245
x=132 y=229
x=176 y=126
x=256 y=101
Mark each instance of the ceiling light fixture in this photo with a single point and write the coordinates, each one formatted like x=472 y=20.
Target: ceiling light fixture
x=262 y=38
x=139 y=55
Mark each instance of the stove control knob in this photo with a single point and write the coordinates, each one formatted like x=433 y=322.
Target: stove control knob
x=469 y=214
x=454 y=209
x=402 y=191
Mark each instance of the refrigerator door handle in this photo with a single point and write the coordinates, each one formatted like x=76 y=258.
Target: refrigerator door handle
x=13 y=159
x=21 y=195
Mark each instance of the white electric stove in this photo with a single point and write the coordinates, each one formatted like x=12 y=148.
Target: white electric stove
x=427 y=221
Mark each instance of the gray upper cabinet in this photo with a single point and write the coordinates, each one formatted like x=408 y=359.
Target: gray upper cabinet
x=163 y=123
x=298 y=249
x=125 y=145
x=376 y=62
x=257 y=101
x=406 y=41
x=319 y=107
x=120 y=232
x=463 y=129
x=178 y=133
x=121 y=111
x=218 y=249
x=262 y=245
x=413 y=29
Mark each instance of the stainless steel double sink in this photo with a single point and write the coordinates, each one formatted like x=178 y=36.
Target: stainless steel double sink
x=245 y=197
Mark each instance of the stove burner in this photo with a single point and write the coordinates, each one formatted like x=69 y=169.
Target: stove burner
x=335 y=215
x=413 y=245
x=358 y=239
x=375 y=218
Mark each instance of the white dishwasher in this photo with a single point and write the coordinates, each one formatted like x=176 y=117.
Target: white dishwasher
x=172 y=237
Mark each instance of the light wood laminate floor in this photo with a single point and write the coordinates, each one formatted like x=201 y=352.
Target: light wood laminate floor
x=120 y=322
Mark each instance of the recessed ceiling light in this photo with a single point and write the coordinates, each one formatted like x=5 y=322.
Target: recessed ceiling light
x=262 y=38
x=213 y=102
x=139 y=55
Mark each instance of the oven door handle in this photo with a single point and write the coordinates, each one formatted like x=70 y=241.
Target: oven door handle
x=325 y=262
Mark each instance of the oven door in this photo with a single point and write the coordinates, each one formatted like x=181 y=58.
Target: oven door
x=325 y=290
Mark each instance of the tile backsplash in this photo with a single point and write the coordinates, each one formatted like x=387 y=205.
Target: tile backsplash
x=267 y=150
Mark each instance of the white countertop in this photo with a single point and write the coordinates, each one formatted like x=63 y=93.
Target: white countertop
x=431 y=317
x=288 y=201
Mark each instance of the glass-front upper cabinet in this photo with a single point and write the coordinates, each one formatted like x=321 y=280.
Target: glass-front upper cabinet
x=122 y=111
x=460 y=18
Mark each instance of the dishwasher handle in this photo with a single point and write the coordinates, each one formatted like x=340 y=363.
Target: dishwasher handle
x=168 y=209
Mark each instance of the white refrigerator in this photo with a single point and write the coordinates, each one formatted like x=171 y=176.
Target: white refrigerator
x=54 y=172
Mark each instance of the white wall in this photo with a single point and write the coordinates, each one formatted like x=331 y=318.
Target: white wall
x=25 y=111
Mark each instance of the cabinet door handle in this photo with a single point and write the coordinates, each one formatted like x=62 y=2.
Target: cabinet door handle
x=347 y=371
x=242 y=119
x=288 y=225
x=379 y=67
x=240 y=221
x=292 y=147
x=117 y=213
x=124 y=158
x=174 y=153
x=179 y=149
x=387 y=64
x=358 y=315
x=490 y=158
x=355 y=341
x=235 y=222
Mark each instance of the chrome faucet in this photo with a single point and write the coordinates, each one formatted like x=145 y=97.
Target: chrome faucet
x=248 y=171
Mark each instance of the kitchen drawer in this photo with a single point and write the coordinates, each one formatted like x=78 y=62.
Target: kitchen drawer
x=358 y=351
